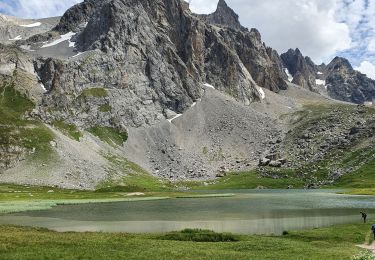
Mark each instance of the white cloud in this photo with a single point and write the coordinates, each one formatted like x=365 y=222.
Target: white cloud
x=309 y=25
x=371 y=46
x=36 y=8
x=367 y=68
x=203 y=6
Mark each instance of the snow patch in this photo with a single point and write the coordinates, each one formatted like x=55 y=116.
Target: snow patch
x=26 y=47
x=290 y=77
x=43 y=87
x=320 y=73
x=16 y=39
x=175 y=117
x=208 y=85
x=261 y=92
x=79 y=53
x=32 y=25
x=64 y=37
x=193 y=105
x=320 y=82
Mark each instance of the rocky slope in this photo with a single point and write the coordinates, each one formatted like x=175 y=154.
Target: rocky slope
x=13 y=29
x=199 y=96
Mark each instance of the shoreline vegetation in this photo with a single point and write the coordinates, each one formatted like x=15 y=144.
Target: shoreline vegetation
x=18 y=198
x=336 y=242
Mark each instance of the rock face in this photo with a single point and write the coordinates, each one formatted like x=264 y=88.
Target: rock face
x=13 y=29
x=346 y=84
x=301 y=68
x=224 y=16
x=338 y=79
x=152 y=57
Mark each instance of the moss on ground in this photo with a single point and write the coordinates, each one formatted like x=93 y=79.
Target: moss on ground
x=109 y=135
x=15 y=130
x=136 y=179
x=68 y=129
x=105 y=108
x=94 y=92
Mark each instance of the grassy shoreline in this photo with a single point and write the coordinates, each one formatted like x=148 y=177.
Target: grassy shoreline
x=338 y=242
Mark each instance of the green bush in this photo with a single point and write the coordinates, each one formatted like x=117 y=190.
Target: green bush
x=199 y=235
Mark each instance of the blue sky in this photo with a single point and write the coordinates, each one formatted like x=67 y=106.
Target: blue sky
x=322 y=29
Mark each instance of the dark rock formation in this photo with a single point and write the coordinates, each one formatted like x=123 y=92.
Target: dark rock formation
x=153 y=57
x=301 y=68
x=339 y=79
x=346 y=84
x=224 y=16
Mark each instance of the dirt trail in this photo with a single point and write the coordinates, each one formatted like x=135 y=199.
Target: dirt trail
x=369 y=247
x=366 y=245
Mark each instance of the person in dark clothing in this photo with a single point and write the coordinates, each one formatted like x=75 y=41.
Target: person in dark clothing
x=373 y=230
x=364 y=216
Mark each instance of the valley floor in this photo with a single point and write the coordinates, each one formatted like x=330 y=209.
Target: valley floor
x=338 y=242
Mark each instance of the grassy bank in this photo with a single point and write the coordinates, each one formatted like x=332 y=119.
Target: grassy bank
x=369 y=191
x=325 y=243
x=251 y=180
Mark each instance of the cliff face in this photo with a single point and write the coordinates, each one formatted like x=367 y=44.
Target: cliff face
x=338 y=79
x=223 y=16
x=302 y=69
x=346 y=84
x=153 y=57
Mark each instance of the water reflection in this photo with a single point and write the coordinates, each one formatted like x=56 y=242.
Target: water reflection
x=250 y=212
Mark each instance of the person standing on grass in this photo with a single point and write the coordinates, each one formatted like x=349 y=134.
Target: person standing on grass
x=373 y=230
x=364 y=216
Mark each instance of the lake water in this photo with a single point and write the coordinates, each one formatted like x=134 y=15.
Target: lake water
x=248 y=212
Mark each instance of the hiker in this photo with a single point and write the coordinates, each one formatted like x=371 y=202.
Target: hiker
x=373 y=230
x=364 y=216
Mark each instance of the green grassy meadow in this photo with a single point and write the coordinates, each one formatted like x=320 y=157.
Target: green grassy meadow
x=337 y=242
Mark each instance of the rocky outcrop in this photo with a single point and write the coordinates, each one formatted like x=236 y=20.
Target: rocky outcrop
x=346 y=84
x=13 y=29
x=152 y=57
x=339 y=79
x=301 y=68
x=224 y=16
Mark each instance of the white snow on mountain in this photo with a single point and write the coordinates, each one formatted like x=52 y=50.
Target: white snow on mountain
x=290 y=77
x=32 y=25
x=16 y=39
x=261 y=92
x=320 y=82
x=64 y=37
x=208 y=85
x=177 y=116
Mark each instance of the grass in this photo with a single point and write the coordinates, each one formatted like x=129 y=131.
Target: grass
x=199 y=235
x=68 y=129
x=252 y=180
x=109 y=135
x=105 y=108
x=17 y=131
x=325 y=243
x=94 y=92
x=224 y=195
x=364 y=177
x=368 y=191
x=136 y=179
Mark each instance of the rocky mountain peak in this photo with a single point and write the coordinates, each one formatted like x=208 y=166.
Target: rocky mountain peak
x=224 y=16
x=339 y=63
